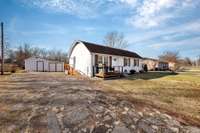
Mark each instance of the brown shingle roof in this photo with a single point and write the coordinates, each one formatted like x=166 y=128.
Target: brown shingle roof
x=96 y=48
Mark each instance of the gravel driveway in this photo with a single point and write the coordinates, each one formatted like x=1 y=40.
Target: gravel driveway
x=55 y=103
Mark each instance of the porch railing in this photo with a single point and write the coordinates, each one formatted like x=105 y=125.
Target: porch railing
x=106 y=69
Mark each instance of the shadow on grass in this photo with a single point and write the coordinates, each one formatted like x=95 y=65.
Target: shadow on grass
x=150 y=75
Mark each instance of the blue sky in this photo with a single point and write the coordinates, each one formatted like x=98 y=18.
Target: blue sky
x=150 y=26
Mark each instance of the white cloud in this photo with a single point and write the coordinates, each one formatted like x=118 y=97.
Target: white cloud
x=80 y=8
x=142 y=14
x=183 y=38
x=148 y=21
x=186 y=44
x=153 y=13
x=130 y=2
x=186 y=28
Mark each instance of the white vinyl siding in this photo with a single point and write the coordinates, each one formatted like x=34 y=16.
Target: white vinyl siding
x=80 y=59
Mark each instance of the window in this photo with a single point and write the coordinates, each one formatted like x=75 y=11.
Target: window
x=127 y=62
x=100 y=60
x=136 y=62
x=106 y=60
x=96 y=60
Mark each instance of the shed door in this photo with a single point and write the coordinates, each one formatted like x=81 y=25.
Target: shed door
x=59 y=67
x=40 y=66
x=52 y=67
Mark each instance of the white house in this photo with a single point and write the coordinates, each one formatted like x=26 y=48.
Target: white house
x=35 y=64
x=86 y=57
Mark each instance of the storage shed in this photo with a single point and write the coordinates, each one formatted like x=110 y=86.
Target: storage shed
x=35 y=64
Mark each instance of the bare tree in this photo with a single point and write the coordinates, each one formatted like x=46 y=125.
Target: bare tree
x=10 y=58
x=116 y=40
x=188 y=61
x=198 y=61
x=173 y=58
x=22 y=53
x=170 y=56
x=57 y=55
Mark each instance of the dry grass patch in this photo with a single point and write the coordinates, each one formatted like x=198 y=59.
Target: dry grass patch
x=178 y=93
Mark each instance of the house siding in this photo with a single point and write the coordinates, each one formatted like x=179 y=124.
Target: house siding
x=81 y=59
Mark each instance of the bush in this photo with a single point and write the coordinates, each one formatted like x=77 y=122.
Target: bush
x=141 y=71
x=132 y=71
x=125 y=71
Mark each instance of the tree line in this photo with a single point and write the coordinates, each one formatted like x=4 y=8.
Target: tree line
x=22 y=52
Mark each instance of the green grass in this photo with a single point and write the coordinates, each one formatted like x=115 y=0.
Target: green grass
x=179 y=93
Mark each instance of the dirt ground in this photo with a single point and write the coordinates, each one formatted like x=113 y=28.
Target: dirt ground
x=55 y=103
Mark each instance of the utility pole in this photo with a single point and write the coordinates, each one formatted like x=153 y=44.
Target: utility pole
x=2 y=50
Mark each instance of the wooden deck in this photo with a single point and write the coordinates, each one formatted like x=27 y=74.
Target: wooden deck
x=108 y=75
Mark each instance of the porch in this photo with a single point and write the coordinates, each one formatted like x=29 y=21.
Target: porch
x=107 y=72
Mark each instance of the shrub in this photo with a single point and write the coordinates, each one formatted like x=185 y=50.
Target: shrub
x=132 y=71
x=125 y=71
x=141 y=71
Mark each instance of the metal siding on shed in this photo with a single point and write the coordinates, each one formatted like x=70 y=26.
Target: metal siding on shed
x=33 y=64
x=52 y=67
x=40 y=66
x=59 y=67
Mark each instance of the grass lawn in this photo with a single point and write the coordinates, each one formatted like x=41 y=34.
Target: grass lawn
x=177 y=93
